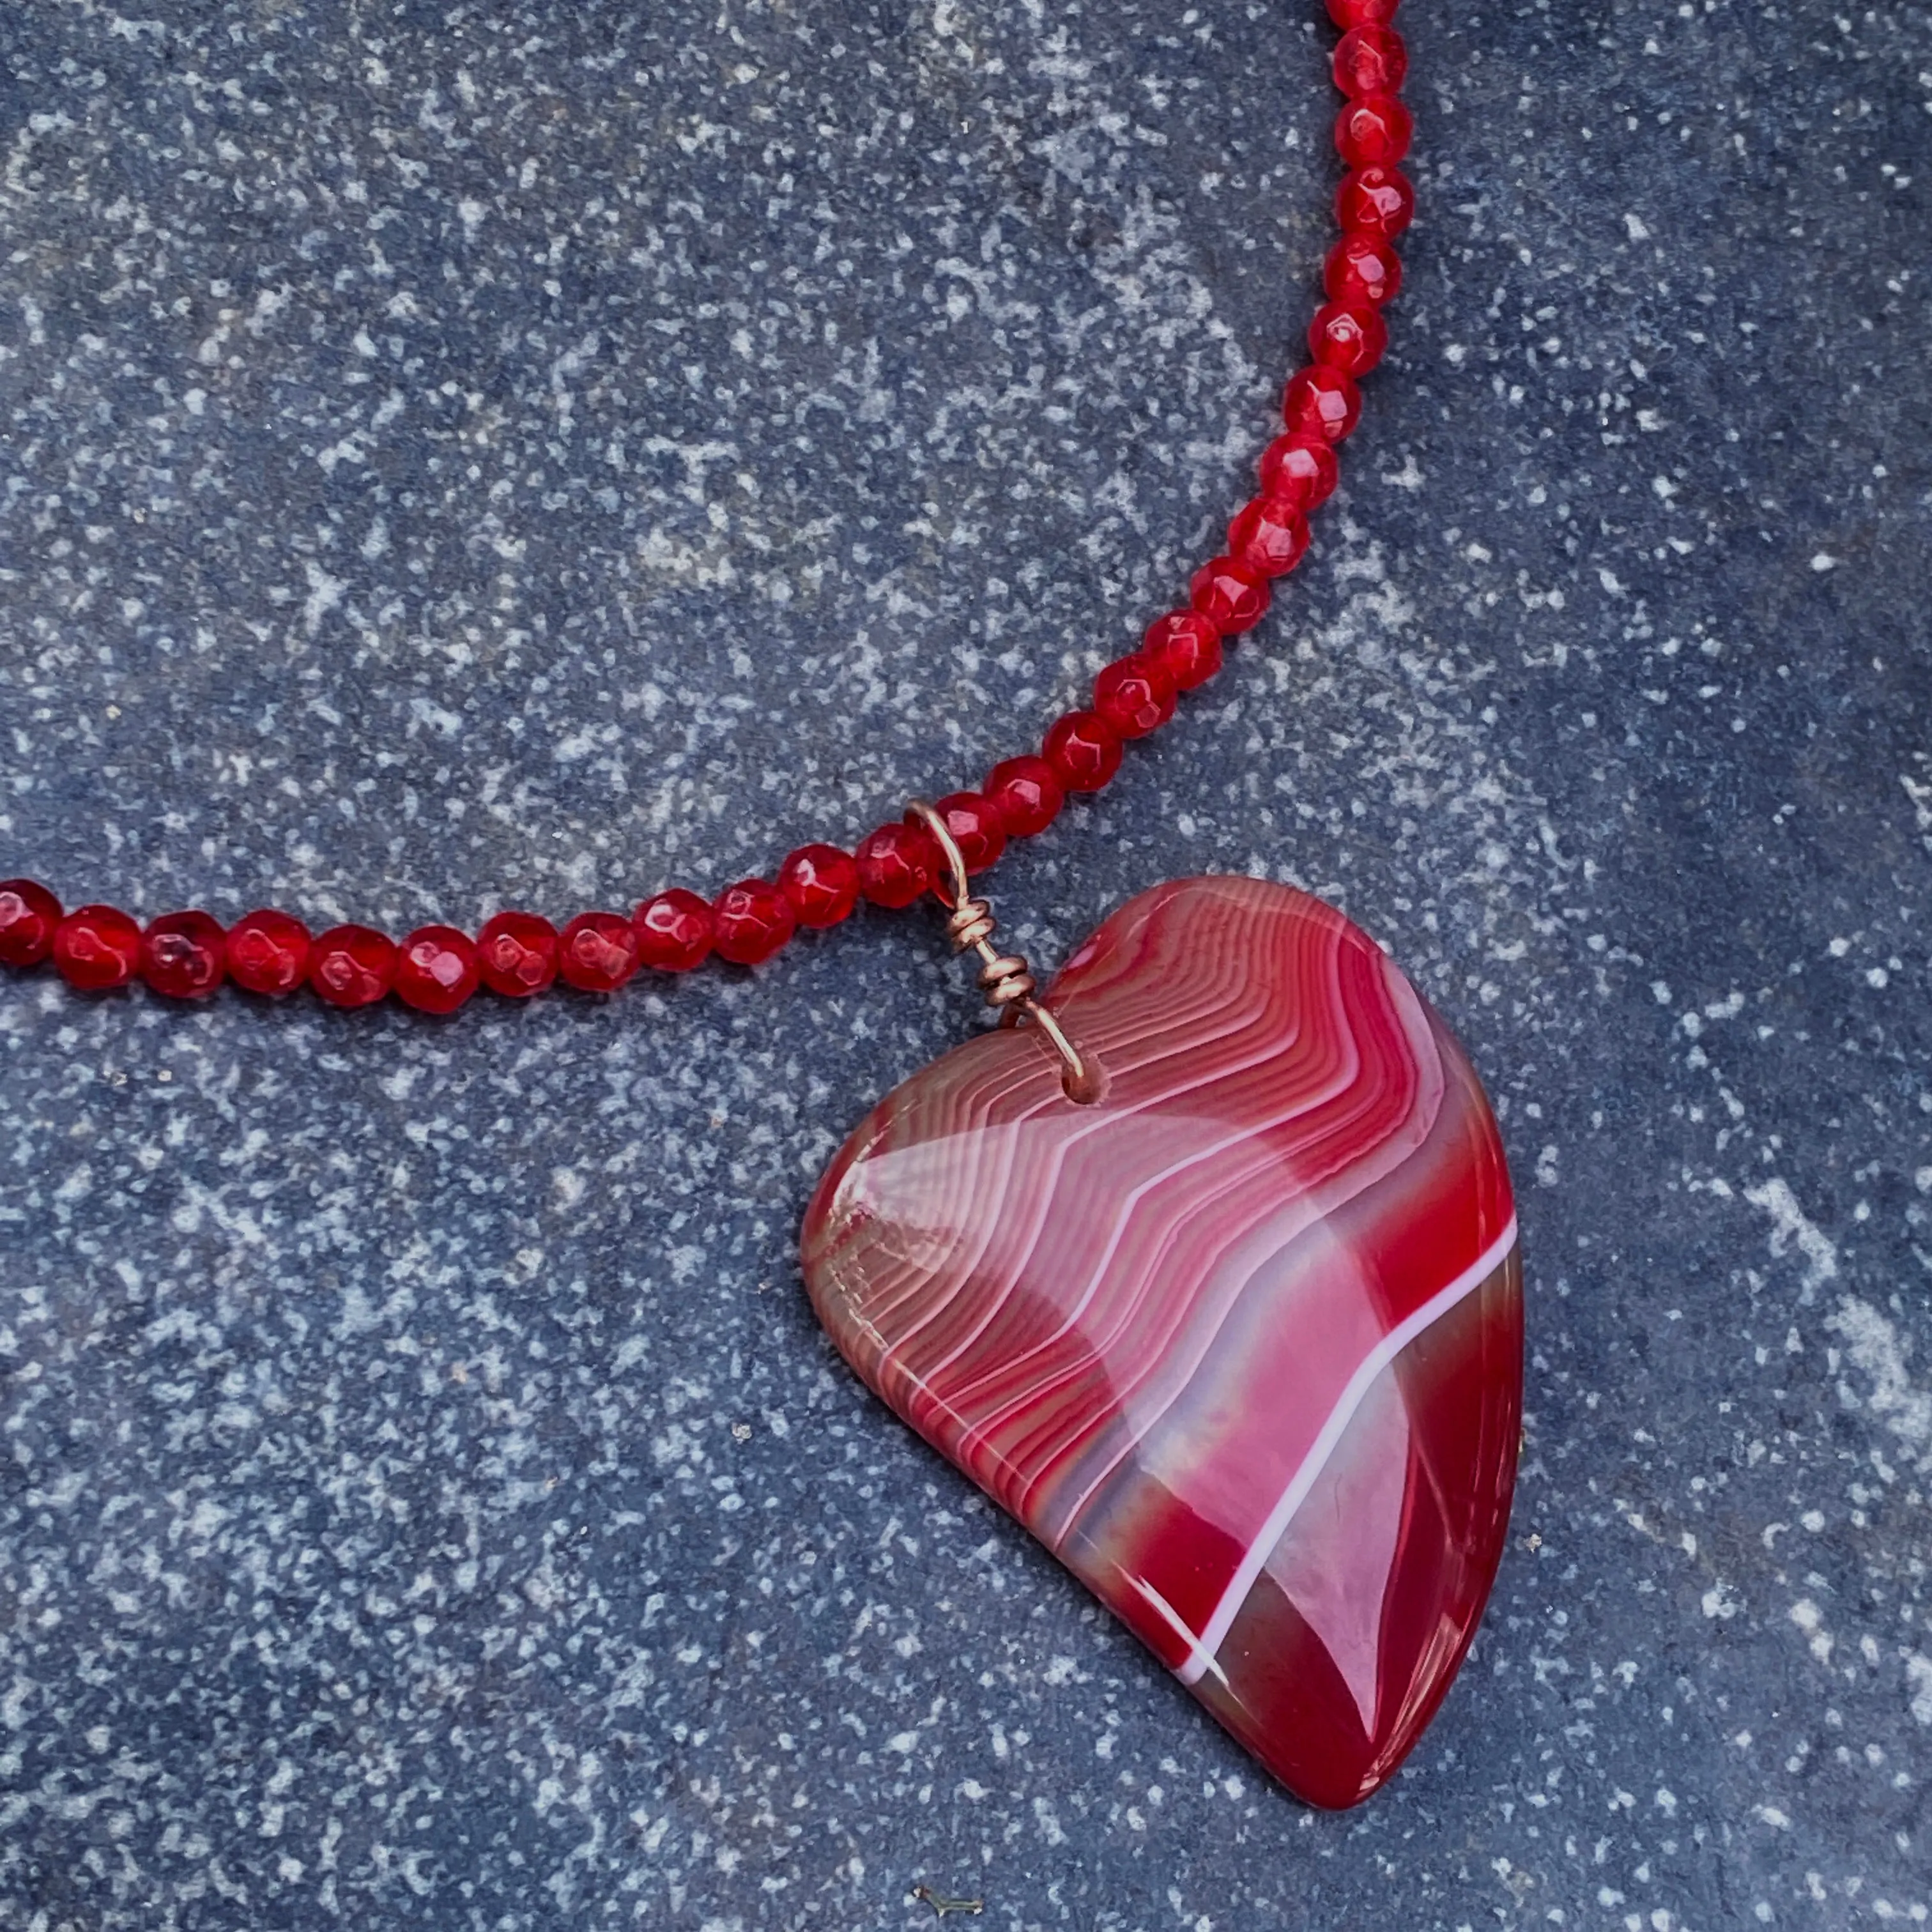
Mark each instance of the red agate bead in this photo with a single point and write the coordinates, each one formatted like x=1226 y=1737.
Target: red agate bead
x=1363 y=270
x=1134 y=695
x=1370 y=59
x=1374 y=131
x=896 y=863
x=822 y=883
x=96 y=947
x=267 y=952
x=674 y=931
x=597 y=951
x=436 y=969
x=1375 y=201
x=975 y=824
x=353 y=965
x=28 y=914
x=516 y=954
x=1185 y=645
x=1083 y=750
x=1321 y=401
x=751 y=921
x=1026 y=794
x=1231 y=594
x=1301 y=468
x=182 y=955
x=1269 y=536
x=1350 y=337
x=1350 y=13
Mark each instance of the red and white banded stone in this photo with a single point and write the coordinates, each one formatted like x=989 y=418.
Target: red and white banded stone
x=1241 y=1343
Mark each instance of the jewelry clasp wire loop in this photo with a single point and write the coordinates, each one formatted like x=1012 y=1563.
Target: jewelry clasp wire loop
x=1009 y=985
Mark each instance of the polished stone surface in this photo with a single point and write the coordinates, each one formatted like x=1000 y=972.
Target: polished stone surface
x=1240 y=1338
x=533 y=451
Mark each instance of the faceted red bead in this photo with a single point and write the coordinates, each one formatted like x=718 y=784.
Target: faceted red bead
x=1134 y=695
x=1362 y=270
x=96 y=947
x=1185 y=645
x=1350 y=337
x=1083 y=750
x=674 y=931
x=1231 y=594
x=1375 y=201
x=1026 y=794
x=28 y=914
x=516 y=954
x=1371 y=59
x=1321 y=401
x=436 y=969
x=896 y=863
x=1301 y=468
x=822 y=883
x=750 y=921
x=975 y=824
x=598 y=952
x=1373 y=132
x=267 y=952
x=1270 y=535
x=353 y=965
x=1350 y=13
x=182 y=955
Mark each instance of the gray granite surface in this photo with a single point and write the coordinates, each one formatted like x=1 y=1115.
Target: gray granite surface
x=461 y=454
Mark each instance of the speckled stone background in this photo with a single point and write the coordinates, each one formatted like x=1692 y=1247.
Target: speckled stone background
x=468 y=454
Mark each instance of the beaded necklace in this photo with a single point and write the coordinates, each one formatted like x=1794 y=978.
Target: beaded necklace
x=1219 y=1297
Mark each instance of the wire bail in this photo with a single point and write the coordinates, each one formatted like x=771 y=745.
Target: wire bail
x=1008 y=986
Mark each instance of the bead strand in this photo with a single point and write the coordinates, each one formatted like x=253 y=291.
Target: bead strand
x=436 y=969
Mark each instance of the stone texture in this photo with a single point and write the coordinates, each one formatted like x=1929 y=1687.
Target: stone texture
x=462 y=456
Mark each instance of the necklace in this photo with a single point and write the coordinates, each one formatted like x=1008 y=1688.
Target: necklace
x=1203 y=1264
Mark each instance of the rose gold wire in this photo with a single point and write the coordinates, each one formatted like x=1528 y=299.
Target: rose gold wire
x=1008 y=985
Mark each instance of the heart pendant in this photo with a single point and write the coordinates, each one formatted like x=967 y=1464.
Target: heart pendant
x=1241 y=1342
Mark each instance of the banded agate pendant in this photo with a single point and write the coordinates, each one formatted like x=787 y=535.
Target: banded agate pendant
x=1241 y=1343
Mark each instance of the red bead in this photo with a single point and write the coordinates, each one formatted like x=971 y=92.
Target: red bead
x=1025 y=794
x=1185 y=645
x=1134 y=695
x=1375 y=201
x=1321 y=401
x=674 y=931
x=1350 y=14
x=822 y=883
x=28 y=914
x=516 y=955
x=267 y=952
x=750 y=921
x=1270 y=535
x=1083 y=750
x=597 y=951
x=182 y=955
x=1362 y=270
x=1231 y=594
x=1373 y=132
x=353 y=965
x=975 y=824
x=1347 y=336
x=896 y=863
x=436 y=969
x=1300 y=468
x=96 y=947
x=1371 y=59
